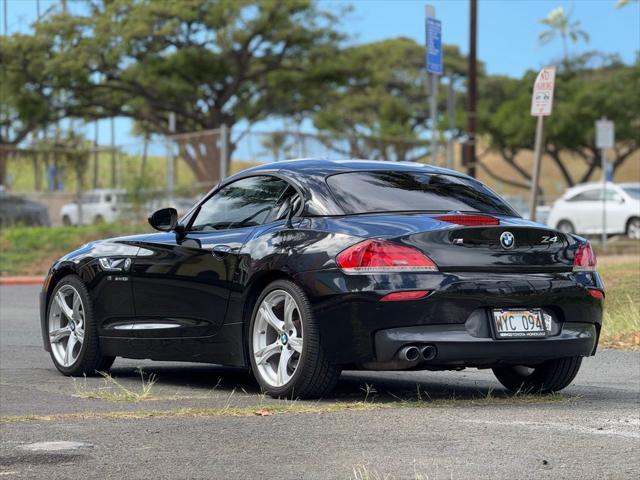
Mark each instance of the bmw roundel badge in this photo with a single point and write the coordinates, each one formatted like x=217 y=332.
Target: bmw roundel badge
x=507 y=240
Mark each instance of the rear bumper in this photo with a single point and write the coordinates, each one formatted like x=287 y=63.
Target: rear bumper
x=457 y=347
x=352 y=318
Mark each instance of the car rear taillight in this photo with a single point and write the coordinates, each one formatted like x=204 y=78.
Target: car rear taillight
x=406 y=295
x=377 y=256
x=585 y=259
x=469 y=220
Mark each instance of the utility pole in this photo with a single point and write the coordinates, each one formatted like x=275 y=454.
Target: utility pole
x=470 y=146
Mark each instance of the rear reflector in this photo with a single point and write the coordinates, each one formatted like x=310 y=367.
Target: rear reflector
x=599 y=294
x=410 y=295
x=469 y=220
x=378 y=256
x=585 y=259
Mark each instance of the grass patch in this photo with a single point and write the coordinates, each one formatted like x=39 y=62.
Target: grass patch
x=292 y=407
x=621 y=323
x=114 y=391
x=32 y=250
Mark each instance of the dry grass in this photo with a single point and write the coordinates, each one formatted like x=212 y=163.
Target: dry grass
x=114 y=391
x=294 y=407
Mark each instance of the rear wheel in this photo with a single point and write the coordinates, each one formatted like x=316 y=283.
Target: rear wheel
x=633 y=228
x=565 y=226
x=286 y=357
x=73 y=338
x=550 y=376
x=66 y=221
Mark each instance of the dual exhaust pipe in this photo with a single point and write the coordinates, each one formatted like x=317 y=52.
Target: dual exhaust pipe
x=412 y=353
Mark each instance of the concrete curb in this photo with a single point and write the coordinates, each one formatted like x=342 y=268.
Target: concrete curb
x=21 y=280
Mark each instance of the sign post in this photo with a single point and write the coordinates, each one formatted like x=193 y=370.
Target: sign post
x=541 y=106
x=434 y=70
x=605 y=138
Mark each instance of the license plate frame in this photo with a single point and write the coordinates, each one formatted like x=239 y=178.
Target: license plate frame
x=518 y=323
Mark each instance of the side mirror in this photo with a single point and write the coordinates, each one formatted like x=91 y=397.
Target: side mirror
x=164 y=220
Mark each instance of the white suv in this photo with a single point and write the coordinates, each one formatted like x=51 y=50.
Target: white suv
x=579 y=210
x=101 y=205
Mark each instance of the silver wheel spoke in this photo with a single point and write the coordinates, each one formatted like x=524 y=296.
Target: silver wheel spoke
x=59 y=333
x=64 y=308
x=289 y=308
x=271 y=319
x=267 y=352
x=77 y=305
x=283 y=374
x=296 y=344
x=68 y=354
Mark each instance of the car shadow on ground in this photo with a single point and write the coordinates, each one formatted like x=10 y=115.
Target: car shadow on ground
x=352 y=386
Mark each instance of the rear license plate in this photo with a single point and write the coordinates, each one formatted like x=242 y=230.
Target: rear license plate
x=519 y=323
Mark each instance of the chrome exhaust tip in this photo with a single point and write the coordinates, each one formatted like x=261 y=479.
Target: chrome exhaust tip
x=428 y=352
x=409 y=353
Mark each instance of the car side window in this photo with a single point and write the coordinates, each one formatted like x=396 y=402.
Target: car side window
x=587 y=196
x=244 y=203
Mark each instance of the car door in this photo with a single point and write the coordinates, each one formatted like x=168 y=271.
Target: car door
x=581 y=209
x=182 y=282
x=617 y=211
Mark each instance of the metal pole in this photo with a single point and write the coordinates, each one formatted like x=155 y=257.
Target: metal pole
x=113 y=153
x=6 y=23
x=224 y=150
x=472 y=89
x=434 y=119
x=451 y=112
x=96 y=156
x=603 y=166
x=537 y=153
x=171 y=158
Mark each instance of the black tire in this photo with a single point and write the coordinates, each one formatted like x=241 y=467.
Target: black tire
x=66 y=221
x=90 y=361
x=550 y=376
x=633 y=228
x=315 y=376
x=98 y=220
x=565 y=226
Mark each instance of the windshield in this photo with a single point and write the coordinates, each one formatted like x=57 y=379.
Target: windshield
x=376 y=192
x=633 y=192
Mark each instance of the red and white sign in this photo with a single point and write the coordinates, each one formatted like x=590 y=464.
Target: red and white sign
x=542 y=99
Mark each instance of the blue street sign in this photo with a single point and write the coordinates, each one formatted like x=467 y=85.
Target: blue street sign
x=434 y=46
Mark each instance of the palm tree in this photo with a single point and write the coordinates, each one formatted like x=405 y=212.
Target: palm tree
x=560 y=25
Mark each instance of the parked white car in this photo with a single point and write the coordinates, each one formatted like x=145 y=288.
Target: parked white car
x=98 y=206
x=579 y=210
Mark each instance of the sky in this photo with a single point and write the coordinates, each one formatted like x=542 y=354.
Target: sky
x=507 y=30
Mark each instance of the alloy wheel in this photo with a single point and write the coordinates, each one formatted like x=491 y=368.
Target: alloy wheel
x=277 y=338
x=66 y=325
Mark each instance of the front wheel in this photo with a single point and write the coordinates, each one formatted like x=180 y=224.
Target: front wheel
x=286 y=357
x=565 y=226
x=550 y=376
x=73 y=337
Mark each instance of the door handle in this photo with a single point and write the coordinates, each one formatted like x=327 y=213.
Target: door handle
x=221 y=249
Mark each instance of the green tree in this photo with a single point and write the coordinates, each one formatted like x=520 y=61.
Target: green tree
x=382 y=111
x=561 y=25
x=29 y=99
x=211 y=62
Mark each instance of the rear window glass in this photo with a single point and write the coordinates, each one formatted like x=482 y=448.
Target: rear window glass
x=374 y=192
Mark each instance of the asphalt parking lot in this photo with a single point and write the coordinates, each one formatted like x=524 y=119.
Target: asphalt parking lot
x=203 y=421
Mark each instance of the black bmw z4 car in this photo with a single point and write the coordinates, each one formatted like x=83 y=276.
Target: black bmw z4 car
x=300 y=269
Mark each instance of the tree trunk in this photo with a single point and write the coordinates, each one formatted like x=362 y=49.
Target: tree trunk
x=4 y=159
